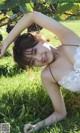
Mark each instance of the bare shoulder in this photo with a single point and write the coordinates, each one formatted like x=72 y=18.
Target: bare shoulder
x=46 y=75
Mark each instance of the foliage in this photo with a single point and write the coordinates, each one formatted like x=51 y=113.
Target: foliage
x=8 y=70
x=12 y=10
x=50 y=7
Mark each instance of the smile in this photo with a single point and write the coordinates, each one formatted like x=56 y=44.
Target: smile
x=45 y=59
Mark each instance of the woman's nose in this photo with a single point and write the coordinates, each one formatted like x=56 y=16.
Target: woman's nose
x=38 y=58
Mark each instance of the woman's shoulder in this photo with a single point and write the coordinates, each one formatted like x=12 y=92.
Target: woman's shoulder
x=45 y=72
x=47 y=75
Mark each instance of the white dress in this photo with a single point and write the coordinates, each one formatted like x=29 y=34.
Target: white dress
x=72 y=80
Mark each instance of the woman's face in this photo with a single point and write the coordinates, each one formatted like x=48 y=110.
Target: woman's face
x=42 y=55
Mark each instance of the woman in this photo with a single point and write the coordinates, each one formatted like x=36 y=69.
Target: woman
x=62 y=64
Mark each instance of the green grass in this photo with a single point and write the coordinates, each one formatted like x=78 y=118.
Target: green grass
x=24 y=100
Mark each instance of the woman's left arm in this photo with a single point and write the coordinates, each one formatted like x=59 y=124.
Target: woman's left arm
x=56 y=97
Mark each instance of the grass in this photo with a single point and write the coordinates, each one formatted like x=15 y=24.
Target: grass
x=23 y=98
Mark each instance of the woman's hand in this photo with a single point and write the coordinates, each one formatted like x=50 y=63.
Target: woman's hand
x=29 y=128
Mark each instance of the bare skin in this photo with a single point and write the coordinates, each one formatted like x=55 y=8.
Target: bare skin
x=62 y=55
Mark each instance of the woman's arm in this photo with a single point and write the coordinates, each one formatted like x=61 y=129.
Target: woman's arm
x=55 y=95
x=63 y=33
x=58 y=104
x=54 y=92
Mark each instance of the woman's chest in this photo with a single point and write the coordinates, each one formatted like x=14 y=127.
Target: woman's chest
x=65 y=62
x=66 y=72
x=61 y=68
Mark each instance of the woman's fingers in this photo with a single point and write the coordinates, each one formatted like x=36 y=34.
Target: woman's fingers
x=27 y=128
x=30 y=131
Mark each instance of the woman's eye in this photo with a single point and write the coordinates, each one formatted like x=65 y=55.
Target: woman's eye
x=34 y=51
x=32 y=62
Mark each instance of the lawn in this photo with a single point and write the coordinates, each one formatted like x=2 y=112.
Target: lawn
x=23 y=98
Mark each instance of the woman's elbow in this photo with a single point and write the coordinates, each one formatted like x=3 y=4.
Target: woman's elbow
x=64 y=115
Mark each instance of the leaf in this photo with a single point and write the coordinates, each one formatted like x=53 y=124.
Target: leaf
x=51 y=1
x=22 y=112
x=75 y=9
x=65 y=7
x=29 y=7
x=22 y=9
x=2 y=1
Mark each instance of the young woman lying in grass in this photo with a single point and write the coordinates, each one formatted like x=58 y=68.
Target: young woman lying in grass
x=61 y=64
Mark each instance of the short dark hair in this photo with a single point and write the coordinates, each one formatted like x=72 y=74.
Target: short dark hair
x=22 y=43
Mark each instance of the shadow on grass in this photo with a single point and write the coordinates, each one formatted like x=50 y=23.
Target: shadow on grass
x=19 y=108
x=9 y=71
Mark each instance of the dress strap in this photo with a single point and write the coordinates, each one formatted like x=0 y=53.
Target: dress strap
x=70 y=45
x=53 y=60
x=51 y=73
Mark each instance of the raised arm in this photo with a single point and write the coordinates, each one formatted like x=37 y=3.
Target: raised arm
x=64 y=34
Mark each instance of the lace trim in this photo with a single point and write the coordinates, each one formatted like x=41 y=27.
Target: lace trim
x=72 y=80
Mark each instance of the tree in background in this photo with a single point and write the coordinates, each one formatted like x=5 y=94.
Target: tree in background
x=12 y=10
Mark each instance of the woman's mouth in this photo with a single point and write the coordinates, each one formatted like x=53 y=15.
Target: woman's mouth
x=45 y=59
